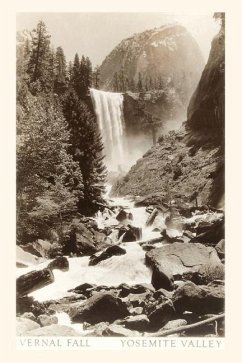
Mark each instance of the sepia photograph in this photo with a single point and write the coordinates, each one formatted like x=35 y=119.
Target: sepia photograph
x=120 y=173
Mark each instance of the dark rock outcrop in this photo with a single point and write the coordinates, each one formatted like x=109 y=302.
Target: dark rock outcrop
x=199 y=299
x=123 y=216
x=130 y=234
x=109 y=252
x=137 y=322
x=27 y=304
x=211 y=234
x=161 y=315
x=98 y=308
x=59 y=263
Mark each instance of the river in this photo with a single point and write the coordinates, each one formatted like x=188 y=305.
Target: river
x=129 y=268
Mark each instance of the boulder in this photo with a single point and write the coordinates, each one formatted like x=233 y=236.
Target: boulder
x=43 y=247
x=109 y=252
x=100 y=307
x=178 y=258
x=136 y=322
x=161 y=314
x=59 y=263
x=125 y=289
x=220 y=248
x=162 y=278
x=24 y=258
x=199 y=299
x=147 y=247
x=138 y=300
x=132 y=234
x=29 y=305
x=23 y=325
x=82 y=239
x=29 y=247
x=45 y=320
x=173 y=324
x=54 y=330
x=158 y=294
x=30 y=316
x=194 y=276
x=84 y=289
x=115 y=330
x=124 y=216
x=211 y=234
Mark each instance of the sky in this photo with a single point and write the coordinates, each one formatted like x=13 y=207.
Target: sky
x=96 y=34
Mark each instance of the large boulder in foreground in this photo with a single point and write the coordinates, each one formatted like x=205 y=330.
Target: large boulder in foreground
x=207 y=299
x=23 y=325
x=100 y=307
x=177 y=258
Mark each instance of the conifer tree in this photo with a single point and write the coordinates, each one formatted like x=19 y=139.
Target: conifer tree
x=39 y=66
x=61 y=71
x=96 y=77
x=87 y=149
x=75 y=76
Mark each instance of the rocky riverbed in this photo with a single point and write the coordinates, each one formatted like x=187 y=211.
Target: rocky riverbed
x=161 y=273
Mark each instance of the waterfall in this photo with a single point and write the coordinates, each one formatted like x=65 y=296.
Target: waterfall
x=109 y=111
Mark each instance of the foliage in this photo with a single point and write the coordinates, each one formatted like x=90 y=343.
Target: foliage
x=40 y=61
x=86 y=148
x=49 y=182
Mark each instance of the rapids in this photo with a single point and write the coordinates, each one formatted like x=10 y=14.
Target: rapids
x=129 y=268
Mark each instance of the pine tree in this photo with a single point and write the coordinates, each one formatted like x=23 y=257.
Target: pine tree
x=60 y=72
x=70 y=71
x=87 y=149
x=23 y=53
x=96 y=77
x=39 y=66
x=75 y=80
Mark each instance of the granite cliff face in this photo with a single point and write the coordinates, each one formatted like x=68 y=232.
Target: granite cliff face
x=189 y=163
x=206 y=110
x=167 y=55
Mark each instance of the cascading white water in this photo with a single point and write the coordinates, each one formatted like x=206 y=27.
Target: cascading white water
x=129 y=268
x=109 y=111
